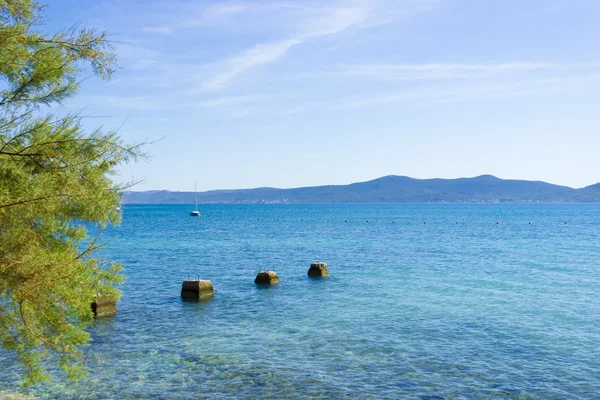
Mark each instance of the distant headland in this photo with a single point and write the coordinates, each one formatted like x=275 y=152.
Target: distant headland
x=388 y=189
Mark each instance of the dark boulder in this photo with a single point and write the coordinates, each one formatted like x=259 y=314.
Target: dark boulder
x=318 y=269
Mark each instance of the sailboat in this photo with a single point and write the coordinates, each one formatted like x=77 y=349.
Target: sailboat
x=195 y=213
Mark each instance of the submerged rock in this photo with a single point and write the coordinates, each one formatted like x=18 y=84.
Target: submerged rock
x=318 y=269
x=197 y=289
x=104 y=305
x=266 y=278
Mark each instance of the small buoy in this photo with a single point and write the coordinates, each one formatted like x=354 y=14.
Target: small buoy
x=345 y=220
x=327 y=220
x=456 y=222
x=565 y=222
x=367 y=220
x=497 y=222
x=530 y=223
x=232 y=219
x=424 y=222
x=393 y=222
x=258 y=219
x=277 y=219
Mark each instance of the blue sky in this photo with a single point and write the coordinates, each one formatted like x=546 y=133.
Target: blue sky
x=296 y=93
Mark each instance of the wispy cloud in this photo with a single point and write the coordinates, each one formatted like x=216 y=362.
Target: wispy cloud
x=445 y=87
x=260 y=54
x=275 y=28
x=205 y=75
x=462 y=91
x=410 y=72
x=335 y=20
x=233 y=15
x=328 y=21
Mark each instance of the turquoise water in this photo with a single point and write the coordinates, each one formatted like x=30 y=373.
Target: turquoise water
x=411 y=310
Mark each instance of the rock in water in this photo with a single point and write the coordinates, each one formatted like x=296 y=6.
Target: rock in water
x=318 y=269
x=196 y=290
x=104 y=305
x=266 y=278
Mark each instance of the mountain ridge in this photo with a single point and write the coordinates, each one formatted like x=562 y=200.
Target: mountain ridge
x=386 y=189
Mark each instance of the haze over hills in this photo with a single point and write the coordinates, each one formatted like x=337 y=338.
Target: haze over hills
x=388 y=189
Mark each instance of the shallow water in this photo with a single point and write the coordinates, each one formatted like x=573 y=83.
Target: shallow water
x=411 y=310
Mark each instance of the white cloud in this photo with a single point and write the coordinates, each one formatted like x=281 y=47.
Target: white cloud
x=467 y=90
x=229 y=15
x=274 y=29
x=315 y=22
x=410 y=72
x=260 y=54
x=286 y=25
x=435 y=71
x=334 y=20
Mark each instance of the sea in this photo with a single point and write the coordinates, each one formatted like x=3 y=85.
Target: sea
x=423 y=301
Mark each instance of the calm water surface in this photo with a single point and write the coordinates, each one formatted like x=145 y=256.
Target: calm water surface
x=411 y=310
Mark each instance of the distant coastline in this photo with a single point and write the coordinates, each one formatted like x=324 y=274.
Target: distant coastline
x=386 y=190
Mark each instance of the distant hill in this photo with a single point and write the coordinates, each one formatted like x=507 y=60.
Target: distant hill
x=388 y=189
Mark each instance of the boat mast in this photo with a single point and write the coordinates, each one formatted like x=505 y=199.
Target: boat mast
x=196 y=193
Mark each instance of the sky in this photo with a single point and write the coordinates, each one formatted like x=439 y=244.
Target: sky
x=289 y=93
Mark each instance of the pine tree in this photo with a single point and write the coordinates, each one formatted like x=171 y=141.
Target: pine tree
x=55 y=180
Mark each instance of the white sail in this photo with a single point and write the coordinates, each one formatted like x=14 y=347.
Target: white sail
x=196 y=212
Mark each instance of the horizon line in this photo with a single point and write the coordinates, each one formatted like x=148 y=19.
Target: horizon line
x=366 y=181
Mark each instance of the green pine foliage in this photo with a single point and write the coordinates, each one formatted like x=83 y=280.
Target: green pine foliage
x=54 y=178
